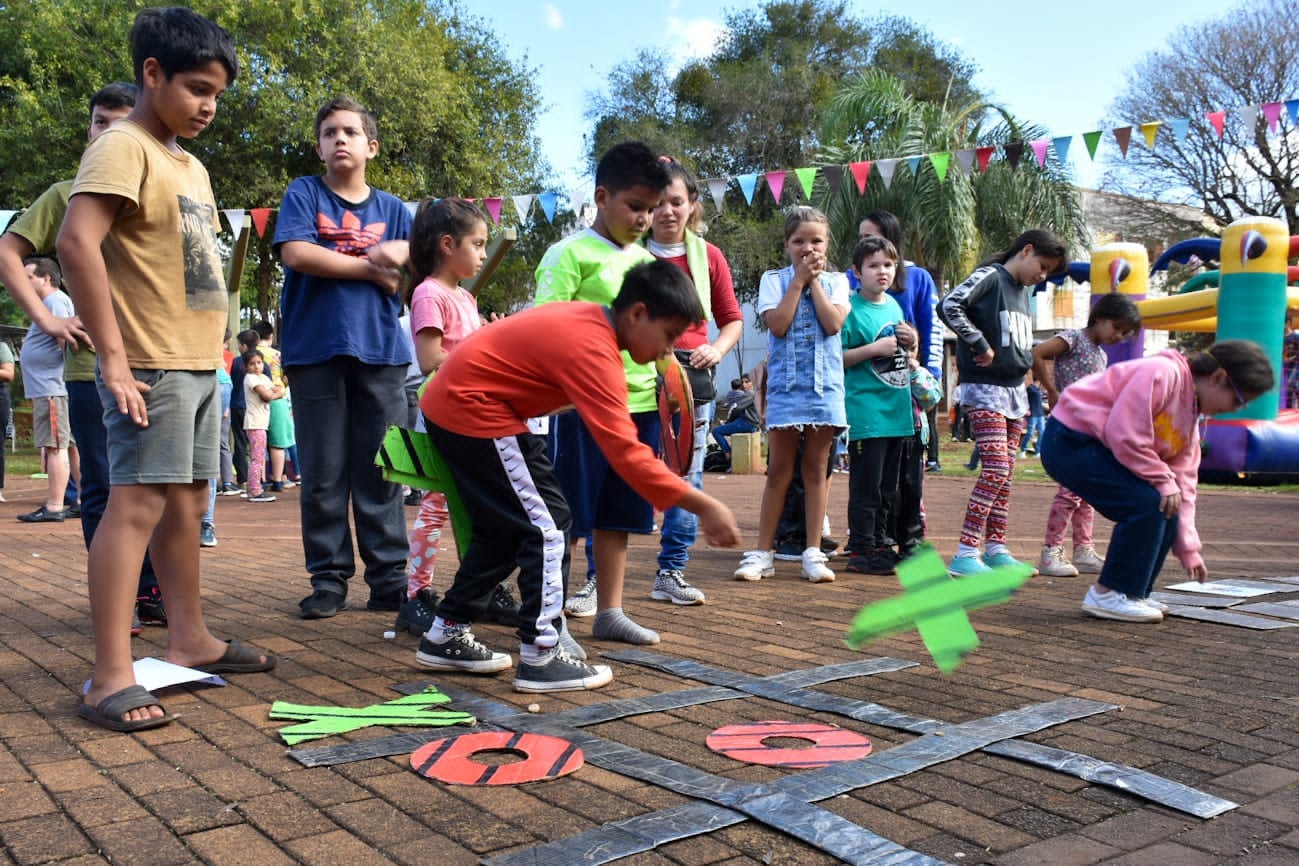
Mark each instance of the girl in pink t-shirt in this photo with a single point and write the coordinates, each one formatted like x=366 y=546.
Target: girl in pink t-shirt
x=448 y=243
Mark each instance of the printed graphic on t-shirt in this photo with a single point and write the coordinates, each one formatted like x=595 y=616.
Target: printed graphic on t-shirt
x=205 y=287
x=351 y=238
x=1016 y=329
x=892 y=369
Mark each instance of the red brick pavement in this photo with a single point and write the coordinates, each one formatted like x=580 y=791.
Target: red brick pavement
x=1208 y=705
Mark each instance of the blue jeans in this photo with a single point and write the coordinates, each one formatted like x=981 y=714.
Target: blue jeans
x=1142 y=535
x=86 y=418
x=679 y=525
x=342 y=408
x=1036 y=424
x=723 y=432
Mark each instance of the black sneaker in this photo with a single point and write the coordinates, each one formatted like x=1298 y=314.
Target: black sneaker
x=790 y=551
x=416 y=614
x=502 y=608
x=872 y=562
x=73 y=510
x=322 y=603
x=828 y=545
x=42 y=515
x=460 y=652
x=562 y=673
x=150 y=610
x=414 y=498
x=933 y=466
x=392 y=600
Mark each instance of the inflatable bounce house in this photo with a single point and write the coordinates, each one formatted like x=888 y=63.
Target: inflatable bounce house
x=1247 y=298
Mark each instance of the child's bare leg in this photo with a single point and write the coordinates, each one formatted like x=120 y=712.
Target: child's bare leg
x=277 y=464
x=611 y=623
x=782 y=446
x=113 y=571
x=817 y=443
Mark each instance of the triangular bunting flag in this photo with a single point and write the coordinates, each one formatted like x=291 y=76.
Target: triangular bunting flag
x=717 y=189
x=1292 y=109
x=984 y=156
x=1039 y=150
x=940 y=161
x=965 y=159
x=1061 y=146
x=886 y=167
x=1179 y=128
x=775 y=183
x=522 y=204
x=1248 y=119
x=1216 y=120
x=861 y=172
x=1091 y=139
x=261 y=216
x=913 y=163
x=1123 y=135
x=1014 y=150
x=493 y=206
x=411 y=207
x=806 y=177
x=1149 y=131
x=748 y=185
x=234 y=216
x=577 y=198
x=548 y=200
x=833 y=175
x=1272 y=111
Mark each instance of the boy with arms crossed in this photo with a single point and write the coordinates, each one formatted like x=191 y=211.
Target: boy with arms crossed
x=140 y=255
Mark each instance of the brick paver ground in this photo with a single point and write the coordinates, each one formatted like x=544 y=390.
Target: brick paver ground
x=1208 y=705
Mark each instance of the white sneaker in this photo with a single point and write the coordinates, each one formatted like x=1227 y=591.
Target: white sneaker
x=756 y=565
x=814 y=567
x=1086 y=560
x=1157 y=605
x=1116 y=605
x=583 y=602
x=1053 y=563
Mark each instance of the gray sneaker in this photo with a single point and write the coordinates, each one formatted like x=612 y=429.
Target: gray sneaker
x=460 y=651
x=670 y=585
x=583 y=602
x=562 y=673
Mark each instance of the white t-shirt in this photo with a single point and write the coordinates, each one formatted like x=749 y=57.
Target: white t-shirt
x=257 y=412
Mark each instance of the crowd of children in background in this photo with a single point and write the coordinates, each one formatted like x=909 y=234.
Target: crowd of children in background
x=852 y=366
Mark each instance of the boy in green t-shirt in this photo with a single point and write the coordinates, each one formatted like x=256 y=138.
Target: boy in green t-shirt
x=154 y=302
x=589 y=266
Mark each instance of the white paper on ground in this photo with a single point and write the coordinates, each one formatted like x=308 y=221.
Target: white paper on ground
x=155 y=674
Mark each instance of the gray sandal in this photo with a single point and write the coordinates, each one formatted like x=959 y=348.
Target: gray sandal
x=108 y=712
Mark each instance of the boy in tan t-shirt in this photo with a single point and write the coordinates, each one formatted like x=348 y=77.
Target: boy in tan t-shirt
x=142 y=223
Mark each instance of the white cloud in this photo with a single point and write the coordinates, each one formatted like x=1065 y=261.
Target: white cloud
x=554 y=18
x=687 y=40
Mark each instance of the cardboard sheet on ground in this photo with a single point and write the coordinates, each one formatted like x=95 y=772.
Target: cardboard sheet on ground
x=937 y=606
x=156 y=674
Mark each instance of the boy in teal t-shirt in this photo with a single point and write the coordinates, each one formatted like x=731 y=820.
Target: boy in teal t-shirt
x=589 y=266
x=877 y=389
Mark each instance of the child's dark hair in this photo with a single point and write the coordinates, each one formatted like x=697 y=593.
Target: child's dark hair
x=43 y=266
x=264 y=329
x=1044 y=243
x=248 y=338
x=181 y=40
x=119 y=94
x=347 y=103
x=630 y=164
x=890 y=228
x=663 y=288
x=1246 y=363
x=250 y=355
x=1118 y=308
x=434 y=219
x=677 y=171
x=867 y=247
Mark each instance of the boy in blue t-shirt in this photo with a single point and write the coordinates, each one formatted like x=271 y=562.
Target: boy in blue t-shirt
x=343 y=244
x=877 y=394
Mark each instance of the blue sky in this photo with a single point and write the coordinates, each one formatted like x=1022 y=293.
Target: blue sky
x=1052 y=63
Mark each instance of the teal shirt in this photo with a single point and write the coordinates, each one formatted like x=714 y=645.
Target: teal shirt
x=877 y=392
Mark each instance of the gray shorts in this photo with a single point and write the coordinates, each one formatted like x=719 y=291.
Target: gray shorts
x=181 y=443
x=50 y=422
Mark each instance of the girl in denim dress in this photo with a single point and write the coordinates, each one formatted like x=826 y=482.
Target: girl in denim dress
x=804 y=306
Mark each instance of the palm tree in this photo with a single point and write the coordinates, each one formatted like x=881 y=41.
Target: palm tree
x=948 y=223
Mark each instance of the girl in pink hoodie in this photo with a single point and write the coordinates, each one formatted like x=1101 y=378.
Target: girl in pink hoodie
x=1128 y=441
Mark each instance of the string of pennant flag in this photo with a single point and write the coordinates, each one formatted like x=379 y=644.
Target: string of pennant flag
x=968 y=161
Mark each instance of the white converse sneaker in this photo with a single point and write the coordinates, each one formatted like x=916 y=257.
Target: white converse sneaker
x=1116 y=605
x=756 y=565
x=814 y=567
x=1053 y=563
x=1087 y=560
